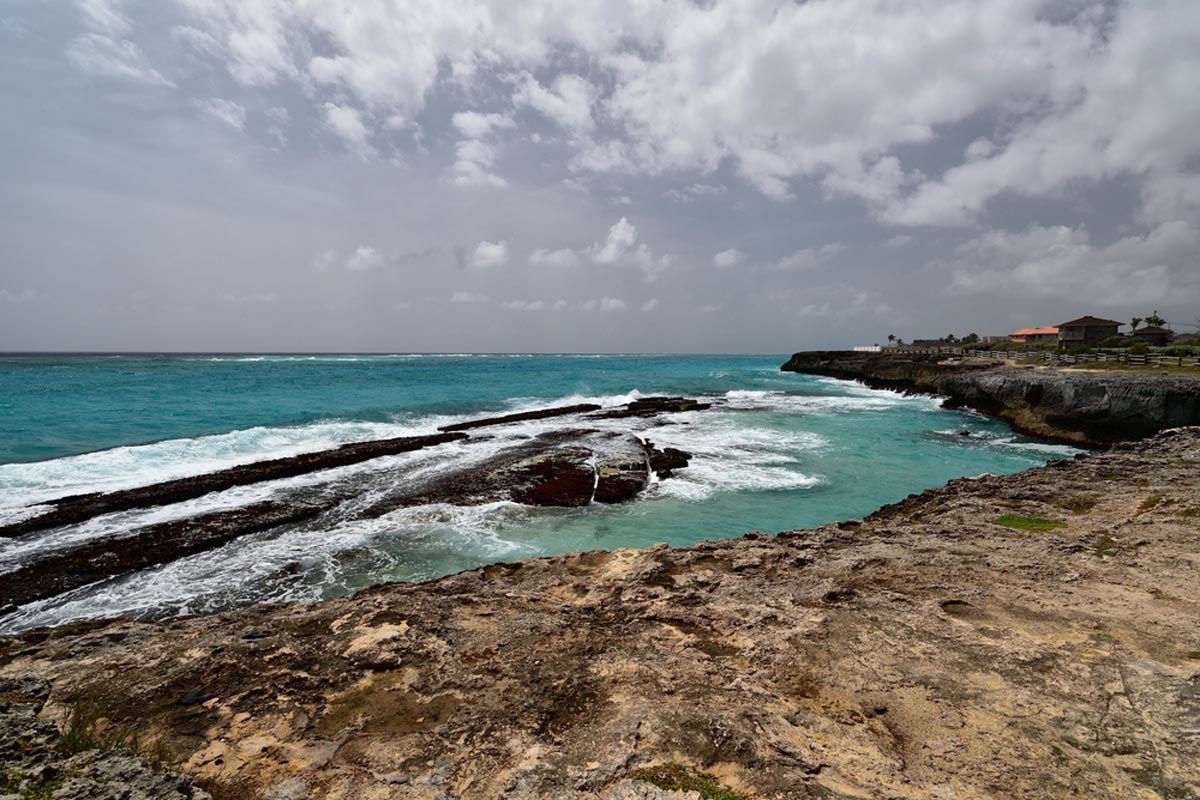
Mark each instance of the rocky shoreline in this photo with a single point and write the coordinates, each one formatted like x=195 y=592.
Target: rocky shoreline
x=1079 y=407
x=567 y=467
x=1030 y=635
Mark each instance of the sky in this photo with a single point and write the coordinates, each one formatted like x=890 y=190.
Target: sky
x=591 y=176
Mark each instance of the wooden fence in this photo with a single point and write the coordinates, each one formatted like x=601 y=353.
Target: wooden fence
x=1054 y=359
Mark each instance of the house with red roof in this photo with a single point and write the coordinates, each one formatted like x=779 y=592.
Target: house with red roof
x=1047 y=335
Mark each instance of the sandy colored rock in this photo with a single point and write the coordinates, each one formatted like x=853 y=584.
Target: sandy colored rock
x=925 y=652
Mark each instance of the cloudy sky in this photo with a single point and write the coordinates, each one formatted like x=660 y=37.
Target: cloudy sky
x=616 y=175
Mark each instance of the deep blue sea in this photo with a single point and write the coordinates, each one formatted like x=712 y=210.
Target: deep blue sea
x=779 y=451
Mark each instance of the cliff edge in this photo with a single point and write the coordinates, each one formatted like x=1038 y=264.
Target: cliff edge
x=1076 y=406
x=1030 y=635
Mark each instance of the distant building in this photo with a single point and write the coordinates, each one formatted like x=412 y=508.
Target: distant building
x=1154 y=335
x=1046 y=335
x=1086 y=331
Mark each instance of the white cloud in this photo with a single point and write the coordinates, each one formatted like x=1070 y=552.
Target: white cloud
x=781 y=93
x=605 y=304
x=489 y=254
x=364 y=259
x=474 y=125
x=697 y=190
x=709 y=308
x=568 y=102
x=617 y=244
x=807 y=258
x=563 y=257
x=225 y=111
x=650 y=305
x=729 y=258
x=468 y=297
x=105 y=16
x=474 y=155
x=325 y=260
x=347 y=123
x=524 y=305
x=102 y=57
x=1061 y=262
x=7 y=296
x=201 y=43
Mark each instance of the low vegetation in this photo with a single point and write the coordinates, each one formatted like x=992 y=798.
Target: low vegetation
x=1021 y=523
x=678 y=778
x=1079 y=503
x=1105 y=547
x=1149 y=503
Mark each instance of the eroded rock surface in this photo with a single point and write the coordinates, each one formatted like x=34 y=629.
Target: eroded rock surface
x=927 y=651
x=1093 y=408
x=34 y=764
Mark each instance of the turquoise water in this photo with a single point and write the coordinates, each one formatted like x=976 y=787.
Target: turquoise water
x=778 y=451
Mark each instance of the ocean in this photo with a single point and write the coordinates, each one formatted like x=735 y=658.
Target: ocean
x=777 y=451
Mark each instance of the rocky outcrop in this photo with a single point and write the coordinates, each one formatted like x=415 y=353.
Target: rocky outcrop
x=79 y=508
x=1029 y=635
x=569 y=467
x=1091 y=408
x=145 y=547
x=37 y=760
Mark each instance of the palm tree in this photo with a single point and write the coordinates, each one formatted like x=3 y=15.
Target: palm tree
x=891 y=337
x=1133 y=323
x=1155 y=319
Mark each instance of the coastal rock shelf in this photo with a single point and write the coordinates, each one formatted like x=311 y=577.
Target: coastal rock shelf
x=1074 y=406
x=567 y=467
x=1028 y=635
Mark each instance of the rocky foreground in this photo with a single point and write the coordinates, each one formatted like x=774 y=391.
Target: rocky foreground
x=1076 y=406
x=1025 y=636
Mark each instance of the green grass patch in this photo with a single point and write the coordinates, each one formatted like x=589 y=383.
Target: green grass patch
x=1149 y=503
x=1194 y=655
x=1020 y=523
x=19 y=783
x=84 y=731
x=677 y=777
x=1079 y=503
x=1105 y=547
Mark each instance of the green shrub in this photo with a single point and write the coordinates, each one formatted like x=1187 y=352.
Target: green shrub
x=1149 y=503
x=1021 y=523
x=678 y=778
x=1079 y=504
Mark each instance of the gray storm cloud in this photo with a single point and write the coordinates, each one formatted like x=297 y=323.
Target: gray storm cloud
x=723 y=177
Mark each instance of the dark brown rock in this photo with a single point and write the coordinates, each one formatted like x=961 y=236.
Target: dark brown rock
x=79 y=508
x=1082 y=407
x=146 y=547
x=544 y=413
x=651 y=406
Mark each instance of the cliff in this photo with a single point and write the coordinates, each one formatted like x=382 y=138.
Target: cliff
x=1071 y=405
x=1030 y=635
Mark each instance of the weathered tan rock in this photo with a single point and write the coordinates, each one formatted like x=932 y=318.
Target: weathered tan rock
x=925 y=652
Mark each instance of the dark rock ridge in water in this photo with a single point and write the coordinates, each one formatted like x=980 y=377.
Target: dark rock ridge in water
x=146 y=547
x=1028 y=635
x=570 y=467
x=524 y=416
x=1092 y=408
x=80 y=508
